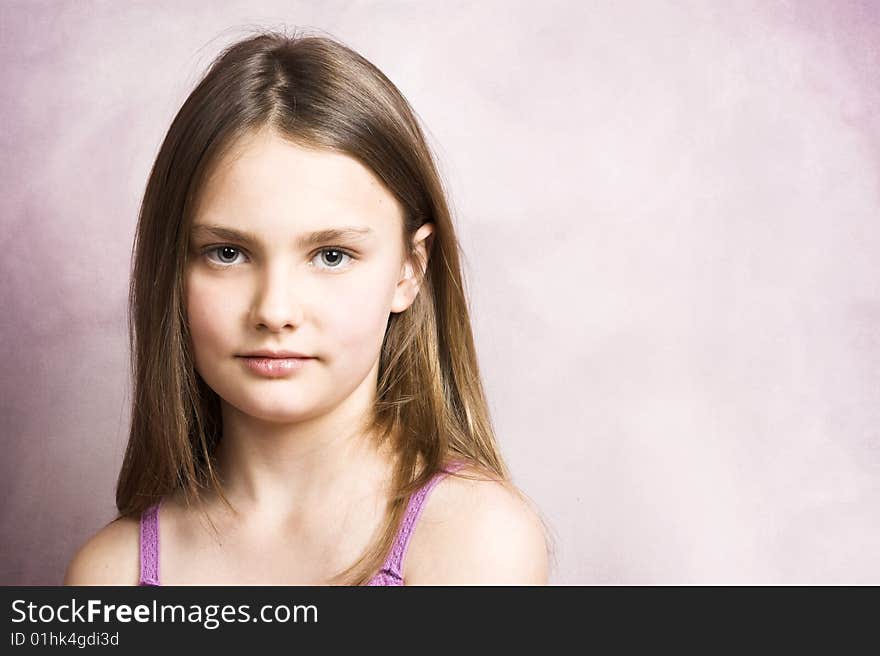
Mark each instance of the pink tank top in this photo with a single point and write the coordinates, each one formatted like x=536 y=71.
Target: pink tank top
x=391 y=572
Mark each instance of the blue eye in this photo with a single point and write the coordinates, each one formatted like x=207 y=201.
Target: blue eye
x=222 y=249
x=338 y=255
x=333 y=257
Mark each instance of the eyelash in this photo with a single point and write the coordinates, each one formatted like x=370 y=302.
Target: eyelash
x=212 y=249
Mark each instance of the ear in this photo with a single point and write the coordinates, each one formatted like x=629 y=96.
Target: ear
x=409 y=283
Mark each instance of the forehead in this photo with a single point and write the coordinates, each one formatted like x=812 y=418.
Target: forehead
x=265 y=178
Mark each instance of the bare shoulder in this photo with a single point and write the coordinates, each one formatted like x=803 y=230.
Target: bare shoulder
x=476 y=530
x=110 y=557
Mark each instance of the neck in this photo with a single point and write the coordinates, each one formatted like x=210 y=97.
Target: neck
x=272 y=470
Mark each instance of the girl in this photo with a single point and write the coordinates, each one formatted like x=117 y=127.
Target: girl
x=305 y=379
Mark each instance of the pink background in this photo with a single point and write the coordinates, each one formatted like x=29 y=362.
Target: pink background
x=669 y=212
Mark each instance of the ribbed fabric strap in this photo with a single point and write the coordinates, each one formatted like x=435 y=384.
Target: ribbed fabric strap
x=393 y=567
x=150 y=545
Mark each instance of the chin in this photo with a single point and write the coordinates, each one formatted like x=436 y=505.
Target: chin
x=281 y=410
x=274 y=405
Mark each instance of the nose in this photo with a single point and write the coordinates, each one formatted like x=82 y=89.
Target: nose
x=275 y=307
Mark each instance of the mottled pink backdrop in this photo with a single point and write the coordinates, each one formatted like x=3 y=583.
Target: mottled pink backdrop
x=669 y=212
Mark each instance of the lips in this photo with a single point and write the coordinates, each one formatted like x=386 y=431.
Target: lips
x=275 y=367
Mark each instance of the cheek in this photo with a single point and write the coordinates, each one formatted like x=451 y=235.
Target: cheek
x=205 y=312
x=358 y=314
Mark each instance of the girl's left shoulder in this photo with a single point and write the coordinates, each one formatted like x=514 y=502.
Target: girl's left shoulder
x=477 y=530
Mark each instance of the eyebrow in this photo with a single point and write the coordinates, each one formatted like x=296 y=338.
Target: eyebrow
x=344 y=233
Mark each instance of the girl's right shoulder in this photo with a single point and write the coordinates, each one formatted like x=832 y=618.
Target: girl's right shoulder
x=110 y=557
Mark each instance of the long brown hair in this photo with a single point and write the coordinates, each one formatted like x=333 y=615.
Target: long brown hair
x=318 y=93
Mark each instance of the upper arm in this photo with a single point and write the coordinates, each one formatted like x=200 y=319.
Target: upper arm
x=477 y=532
x=110 y=557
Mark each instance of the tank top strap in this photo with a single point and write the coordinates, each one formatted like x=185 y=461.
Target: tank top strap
x=149 y=547
x=394 y=563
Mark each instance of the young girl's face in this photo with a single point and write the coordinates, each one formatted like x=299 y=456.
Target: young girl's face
x=280 y=284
